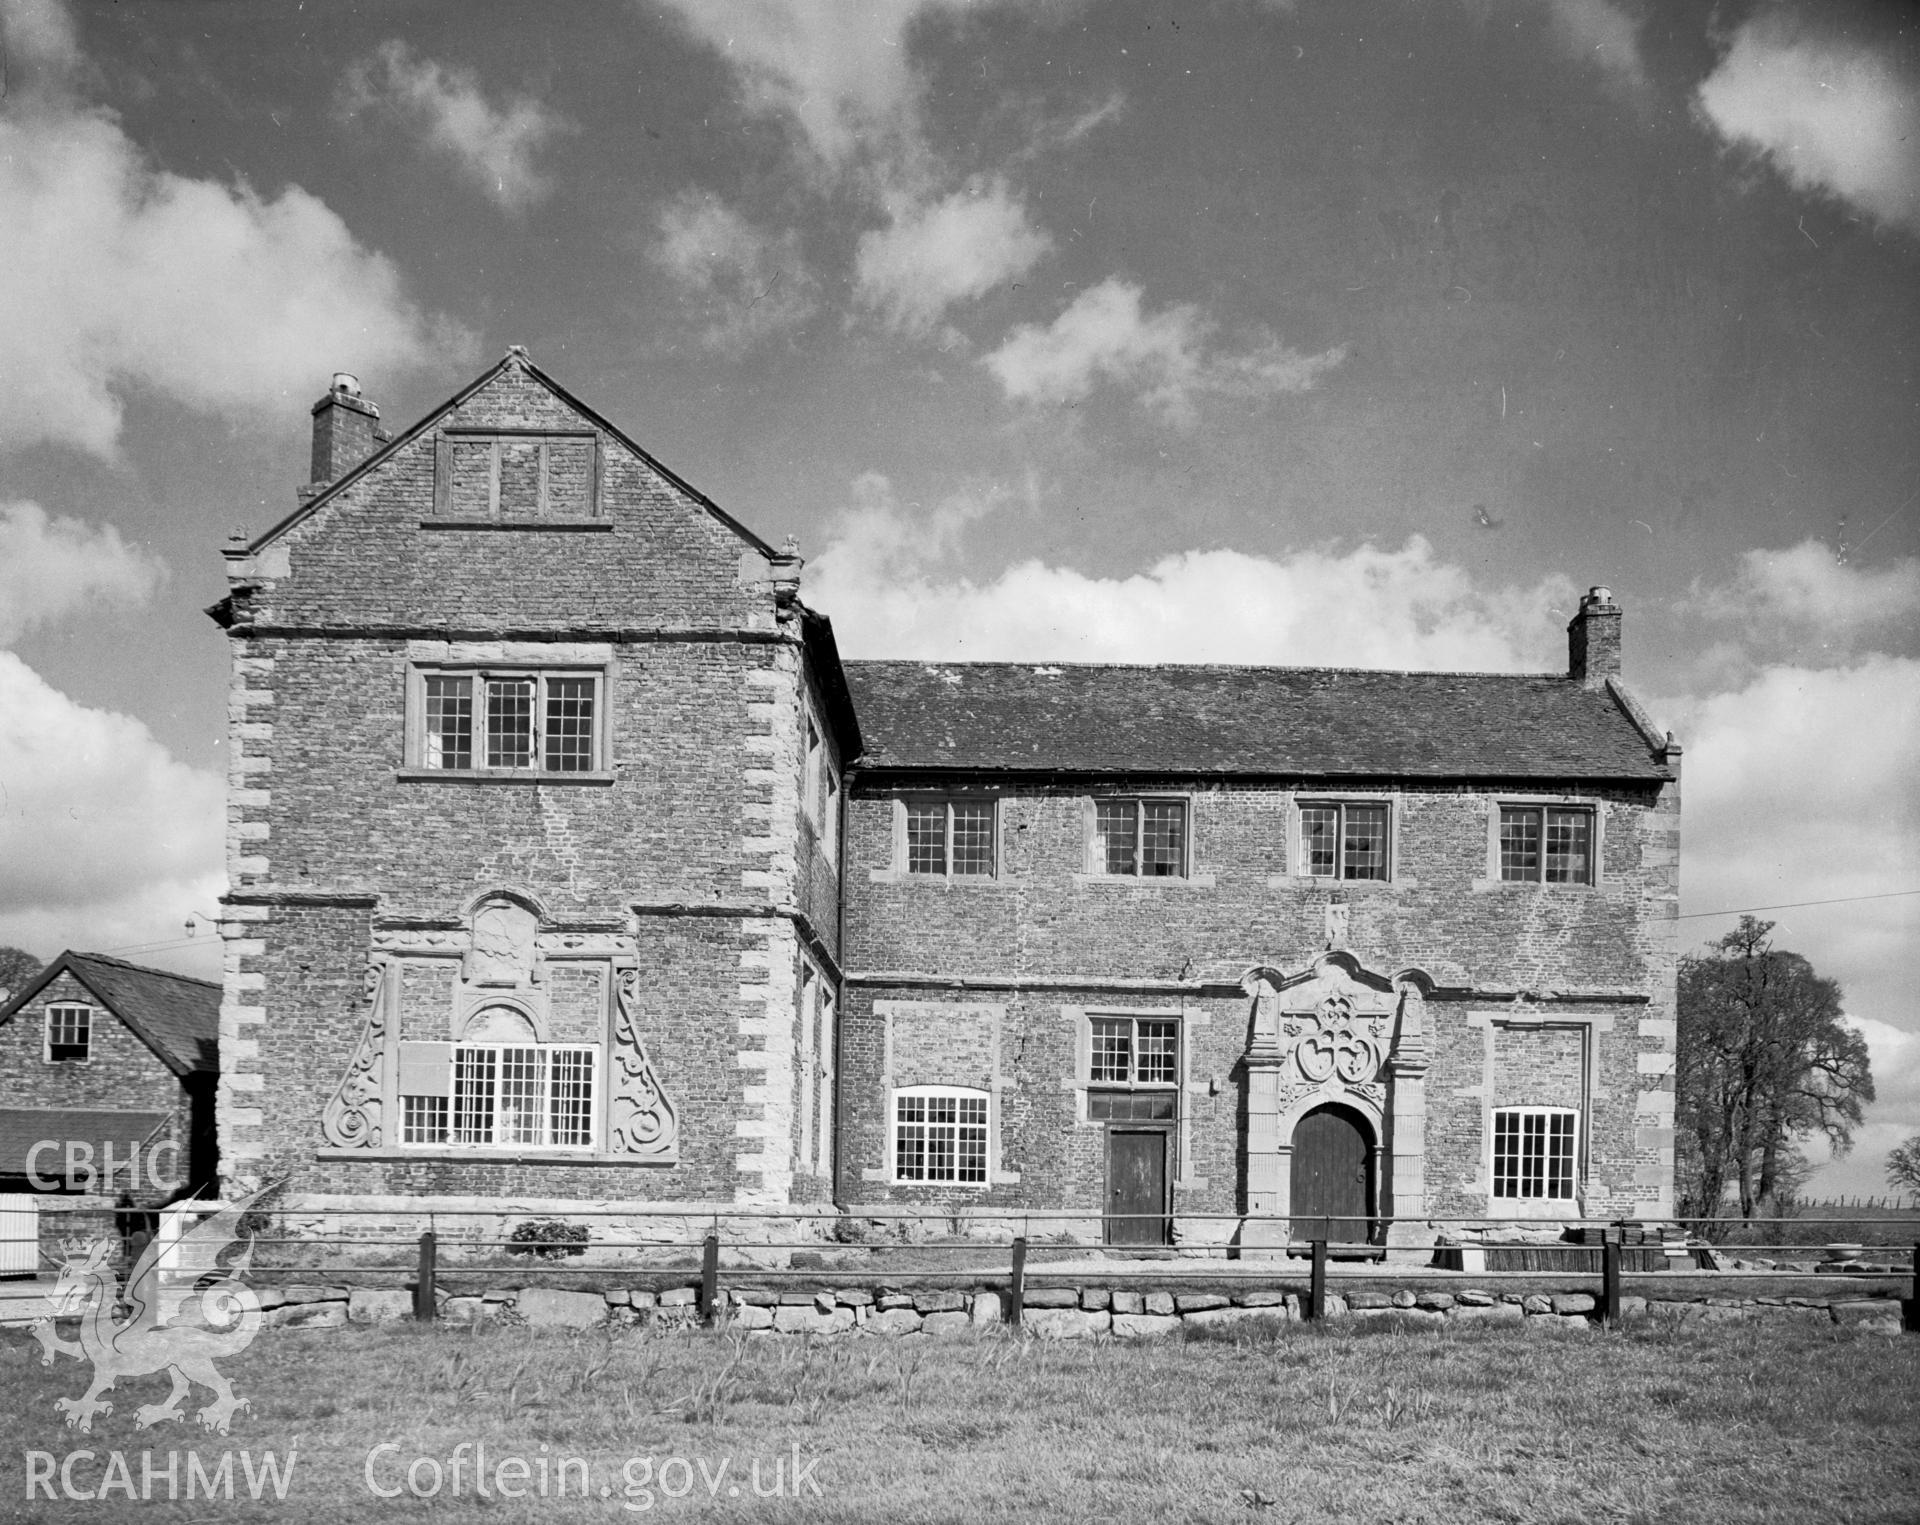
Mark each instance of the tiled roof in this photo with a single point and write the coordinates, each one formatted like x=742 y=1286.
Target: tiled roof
x=1304 y=721
x=178 y=1017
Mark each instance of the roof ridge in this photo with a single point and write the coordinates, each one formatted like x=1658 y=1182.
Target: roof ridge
x=1383 y=672
x=121 y=963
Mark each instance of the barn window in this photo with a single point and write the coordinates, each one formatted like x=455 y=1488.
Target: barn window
x=940 y=1134
x=69 y=1034
x=1534 y=1152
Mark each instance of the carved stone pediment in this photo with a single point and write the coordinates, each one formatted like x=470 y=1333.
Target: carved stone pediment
x=1326 y=1032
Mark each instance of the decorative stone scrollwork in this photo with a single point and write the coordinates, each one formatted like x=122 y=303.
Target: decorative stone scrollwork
x=352 y=1117
x=1337 y=1046
x=642 y=1121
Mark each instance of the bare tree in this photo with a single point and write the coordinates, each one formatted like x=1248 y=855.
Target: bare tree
x=1766 y=1061
x=1903 y=1164
x=17 y=966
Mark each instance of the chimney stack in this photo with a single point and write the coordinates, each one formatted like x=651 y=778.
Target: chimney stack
x=1593 y=639
x=345 y=430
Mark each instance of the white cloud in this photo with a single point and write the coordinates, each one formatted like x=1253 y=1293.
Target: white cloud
x=1834 y=114
x=937 y=253
x=120 y=276
x=39 y=34
x=493 y=146
x=841 y=72
x=1805 y=593
x=107 y=838
x=839 y=69
x=748 y=282
x=1603 y=34
x=1829 y=760
x=52 y=567
x=1364 y=608
x=1169 y=357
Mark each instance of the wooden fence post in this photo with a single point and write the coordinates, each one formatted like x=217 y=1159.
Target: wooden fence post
x=1317 y=1283
x=423 y=1296
x=1912 y=1310
x=1610 y=1279
x=710 y=1276
x=1017 y=1288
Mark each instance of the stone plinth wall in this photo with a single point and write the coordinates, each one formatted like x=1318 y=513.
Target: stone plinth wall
x=1056 y=1312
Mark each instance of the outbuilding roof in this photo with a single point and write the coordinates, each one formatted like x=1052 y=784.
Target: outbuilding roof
x=1313 y=722
x=175 y=1015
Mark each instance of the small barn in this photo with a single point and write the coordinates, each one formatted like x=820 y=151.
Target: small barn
x=107 y=1077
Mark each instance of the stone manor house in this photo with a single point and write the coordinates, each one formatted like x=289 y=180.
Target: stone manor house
x=570 y=862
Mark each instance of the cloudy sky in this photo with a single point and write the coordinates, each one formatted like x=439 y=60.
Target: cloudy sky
x=1333 y=332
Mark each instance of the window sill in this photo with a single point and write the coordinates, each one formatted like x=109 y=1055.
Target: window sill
x=1533 y=886
x=493 y=1156
x=939 y=881
x=1326 y=882
x=1151 y=882
x=492 y=776
x=566 y=526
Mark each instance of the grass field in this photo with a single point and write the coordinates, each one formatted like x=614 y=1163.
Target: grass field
x=1655 y=1423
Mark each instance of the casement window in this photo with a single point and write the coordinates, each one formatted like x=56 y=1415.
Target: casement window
x=820 y=787
x=1535 y=1150
x=1133 y=1068
x=1344 y=839
x=69 y=1034
x=499 y=1095
x=940 y=1135
x=1546 y=844
x=950 y=838
x=1144 y=838
x=486 y=474
x=509 y=720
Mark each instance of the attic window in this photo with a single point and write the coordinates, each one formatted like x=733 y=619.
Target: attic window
x=69 y=1034
x=485 y=475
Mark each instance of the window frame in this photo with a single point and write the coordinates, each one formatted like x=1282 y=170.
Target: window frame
x=477 y=674
x=908 y=803
x=1096 y=840
x=1546 y=1167
x=453 y=435
x=1542 y=809
x=87 y=1013
x=821 y=787
x=1303 y=862
x=1132 y=1081
x=449 y=1109
x=956 y=1094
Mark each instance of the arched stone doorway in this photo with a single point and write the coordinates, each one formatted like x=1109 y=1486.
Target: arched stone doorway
x=1334 y=1193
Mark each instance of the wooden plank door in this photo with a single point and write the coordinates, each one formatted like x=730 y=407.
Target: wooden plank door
x=1137 y=1186
x=1330 y=1177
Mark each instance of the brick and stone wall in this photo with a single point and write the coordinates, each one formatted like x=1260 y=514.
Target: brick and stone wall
x=1538 y=995
x=683 y=857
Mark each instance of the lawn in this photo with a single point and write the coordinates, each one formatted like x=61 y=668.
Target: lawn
x=1655 y=1423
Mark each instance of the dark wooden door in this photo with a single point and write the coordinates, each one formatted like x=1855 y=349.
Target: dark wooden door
x=1332 y=1189
x=1137 y=1186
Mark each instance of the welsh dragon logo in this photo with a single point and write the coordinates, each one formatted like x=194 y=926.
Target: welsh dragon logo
x=215 y=1316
